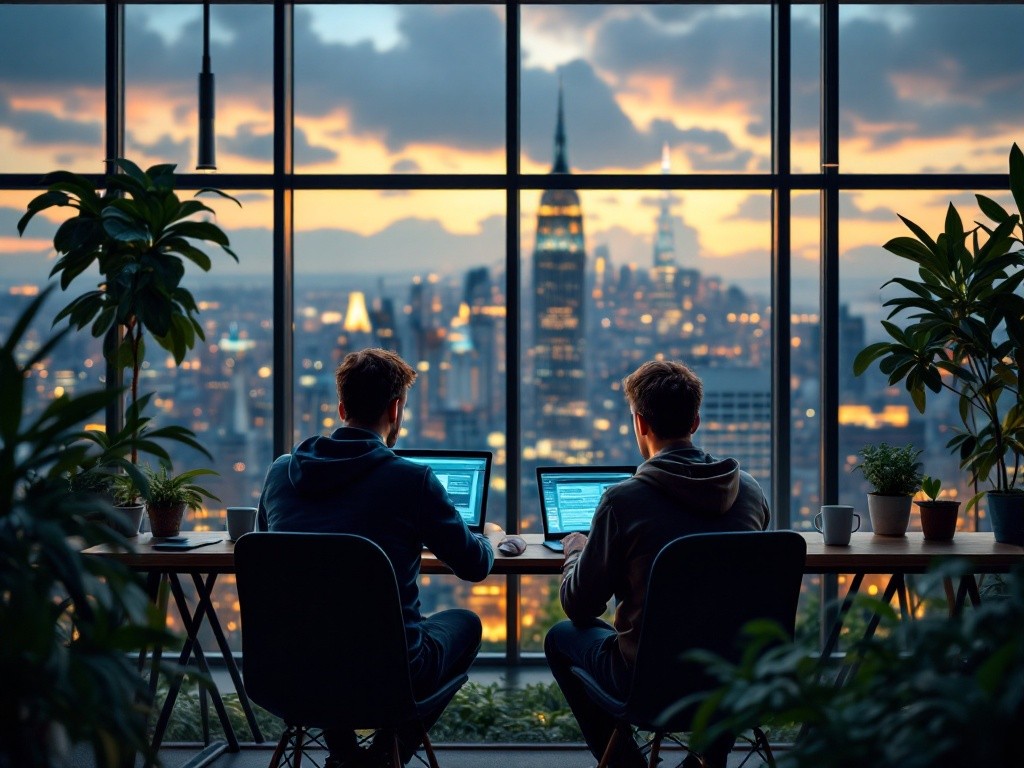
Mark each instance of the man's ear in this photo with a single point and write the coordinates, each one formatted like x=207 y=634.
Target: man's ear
x=393 y=407
x=696 y=424
x=641 y=425
x=341 y=411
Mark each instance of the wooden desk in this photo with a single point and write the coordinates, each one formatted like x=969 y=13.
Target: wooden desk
x=867 y=554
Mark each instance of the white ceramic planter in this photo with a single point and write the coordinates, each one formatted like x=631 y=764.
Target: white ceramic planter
x=890 y=515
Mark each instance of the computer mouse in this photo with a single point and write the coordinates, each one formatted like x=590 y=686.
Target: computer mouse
x=512 y=546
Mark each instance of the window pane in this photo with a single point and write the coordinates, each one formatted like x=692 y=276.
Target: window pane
x=164 y=55
x=422 y=273
x=636 y=77
x=805 y=148
x=614 y=278
x=399 y=89
x=51 y=88
x=929 y=88
x=805 y=361
x=870 y=410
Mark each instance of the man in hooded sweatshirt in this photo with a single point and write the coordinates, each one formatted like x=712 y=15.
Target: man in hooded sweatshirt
x=352 y=482
x=678 y=490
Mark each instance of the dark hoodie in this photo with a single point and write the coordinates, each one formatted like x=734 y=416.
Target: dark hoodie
x=678 y=491
x=351 y=482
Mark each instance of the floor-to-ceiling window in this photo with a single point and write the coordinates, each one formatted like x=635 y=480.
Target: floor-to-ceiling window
x=526 y=201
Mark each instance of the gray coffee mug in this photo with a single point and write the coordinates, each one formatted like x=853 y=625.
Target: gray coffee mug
x=241 y=520
x=835 y=521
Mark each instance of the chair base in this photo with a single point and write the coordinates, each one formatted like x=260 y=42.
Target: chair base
x=759 y=745
x=296 y=739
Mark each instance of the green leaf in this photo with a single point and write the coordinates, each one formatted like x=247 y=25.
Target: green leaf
x=991 y=208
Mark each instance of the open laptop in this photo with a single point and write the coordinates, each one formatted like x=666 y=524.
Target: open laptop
x=569 y=497
x=466 y=475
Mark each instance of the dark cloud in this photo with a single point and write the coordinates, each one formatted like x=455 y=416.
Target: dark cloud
x=52 y=45
x=405 y=165
x=444 y=82
x=756 y=207
x=36 y=128
x=850 y=209
x=164 y=146
x=960 y=67
x=259 y=145
x=408 y=244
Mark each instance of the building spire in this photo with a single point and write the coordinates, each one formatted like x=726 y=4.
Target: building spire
x=561 y=164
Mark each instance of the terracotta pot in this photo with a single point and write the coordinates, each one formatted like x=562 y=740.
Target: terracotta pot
x=165 y=521
x=938 y=519
x=890 y=515
x=1006 y=511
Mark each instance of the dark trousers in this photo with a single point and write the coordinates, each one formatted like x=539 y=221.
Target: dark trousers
x=451 y=640
x=591 y=646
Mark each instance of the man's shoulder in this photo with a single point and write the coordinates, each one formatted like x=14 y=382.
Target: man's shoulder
x=629 y=490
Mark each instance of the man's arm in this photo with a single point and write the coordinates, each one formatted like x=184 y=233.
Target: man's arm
x=587 y=573
x=469 y=555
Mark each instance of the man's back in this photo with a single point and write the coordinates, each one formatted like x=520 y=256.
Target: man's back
x=677 y=492
x=351 y=482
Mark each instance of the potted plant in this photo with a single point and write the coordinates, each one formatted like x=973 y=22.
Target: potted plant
x=964 y=332
x=895 y=475
x=170 y=495
x=938 y=516
x=69 y=622
x=139 y=235
x=106 y=472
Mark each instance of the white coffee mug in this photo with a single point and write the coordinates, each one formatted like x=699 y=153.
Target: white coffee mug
x=835 y=521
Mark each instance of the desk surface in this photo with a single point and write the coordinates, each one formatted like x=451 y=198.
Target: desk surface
x=867 y=553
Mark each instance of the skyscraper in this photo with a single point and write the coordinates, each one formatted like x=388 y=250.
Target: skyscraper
x=559 y=261
x=663 y=274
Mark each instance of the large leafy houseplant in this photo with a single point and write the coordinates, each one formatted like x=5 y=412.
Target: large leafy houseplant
x=67 y=620
x=139 y=234
x=957 y=700
x=963 y=331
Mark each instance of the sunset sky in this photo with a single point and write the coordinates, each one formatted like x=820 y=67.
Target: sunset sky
x=420 y=89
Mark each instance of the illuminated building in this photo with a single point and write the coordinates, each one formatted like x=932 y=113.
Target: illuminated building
x=559 y=261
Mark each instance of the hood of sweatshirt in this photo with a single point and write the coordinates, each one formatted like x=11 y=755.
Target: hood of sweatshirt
x=703 y=484
x=323 y=465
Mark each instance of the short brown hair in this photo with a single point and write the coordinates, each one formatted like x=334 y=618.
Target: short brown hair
x=667 y=394
x=370 y=379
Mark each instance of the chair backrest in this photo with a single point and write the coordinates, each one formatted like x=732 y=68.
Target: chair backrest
x=702 y=590
x=323 y=642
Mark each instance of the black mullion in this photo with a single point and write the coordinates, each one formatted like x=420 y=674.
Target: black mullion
x=114 y=148
x=284 y=224
x=829 y=275
x=781 y=266
x=513 y=373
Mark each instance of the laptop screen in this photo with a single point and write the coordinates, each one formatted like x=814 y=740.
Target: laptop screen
x=569 y=496
x=466 y=476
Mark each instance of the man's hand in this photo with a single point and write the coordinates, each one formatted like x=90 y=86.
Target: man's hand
x=574 y=543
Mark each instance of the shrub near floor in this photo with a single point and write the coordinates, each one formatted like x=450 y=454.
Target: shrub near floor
x=535 y=713
x=956 y=700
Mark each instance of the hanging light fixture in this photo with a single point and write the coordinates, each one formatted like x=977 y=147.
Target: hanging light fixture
x=207 y=153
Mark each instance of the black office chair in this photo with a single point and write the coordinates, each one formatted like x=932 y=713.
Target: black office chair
x=323 y=642
x=702 y=590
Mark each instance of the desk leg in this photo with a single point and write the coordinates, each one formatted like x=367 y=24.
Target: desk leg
x=968 y=588
x=205 y=591
x=192 y=624
x=833 y=636
x=191 y=648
